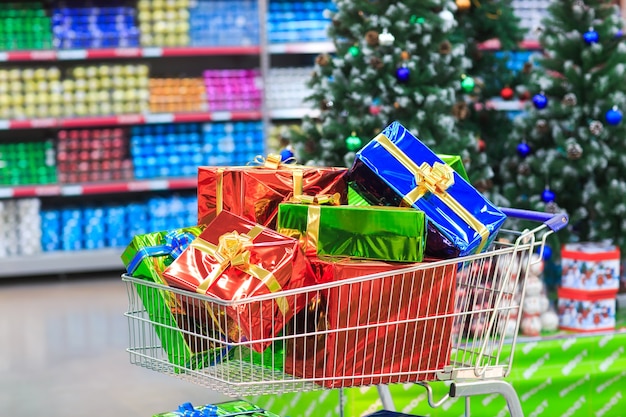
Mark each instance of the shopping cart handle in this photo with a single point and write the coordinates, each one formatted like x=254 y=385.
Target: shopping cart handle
x=555 y=221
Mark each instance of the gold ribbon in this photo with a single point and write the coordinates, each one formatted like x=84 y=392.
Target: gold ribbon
x=219 y=195
x=273 y=161
x=232 y=250
x=436 y=179
x=308 y=241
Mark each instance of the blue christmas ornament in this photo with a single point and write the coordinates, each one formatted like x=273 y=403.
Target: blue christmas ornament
x=523 y=149
x=619 y=33
x=591 y=36
x=540 y=101
x=286 y=154
x=614 y=116
x=548 y=196
x=547 y=252
x=403 y=74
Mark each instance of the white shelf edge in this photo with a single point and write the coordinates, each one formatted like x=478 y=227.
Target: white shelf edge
x=293 y=113
x=62 y=262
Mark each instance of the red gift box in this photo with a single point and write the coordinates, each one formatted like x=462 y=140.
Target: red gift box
x=374 y=331
x=234 y=259
x=255 y=192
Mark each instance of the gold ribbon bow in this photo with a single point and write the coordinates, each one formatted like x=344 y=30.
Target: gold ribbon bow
x=272 y=161
x=232 y=250
x=436 y=179
x=319 y=199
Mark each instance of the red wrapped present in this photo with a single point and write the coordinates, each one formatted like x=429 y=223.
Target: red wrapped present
x=255 y=192
x=234 y=259
x=391 y=329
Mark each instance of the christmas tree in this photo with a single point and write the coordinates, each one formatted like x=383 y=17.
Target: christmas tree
x=569 y=151
x=479 y=23
x=393 y=61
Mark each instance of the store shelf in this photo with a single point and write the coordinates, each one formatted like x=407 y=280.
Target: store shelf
x=130 y=119
x=54 y=190
x=54 y=263
x=125 y=53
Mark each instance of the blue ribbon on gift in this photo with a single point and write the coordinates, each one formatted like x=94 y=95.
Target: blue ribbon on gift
x=175 y=243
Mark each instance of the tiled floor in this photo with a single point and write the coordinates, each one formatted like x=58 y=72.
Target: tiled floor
x=62 y=353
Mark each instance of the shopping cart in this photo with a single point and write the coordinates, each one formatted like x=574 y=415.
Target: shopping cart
x=446 y=320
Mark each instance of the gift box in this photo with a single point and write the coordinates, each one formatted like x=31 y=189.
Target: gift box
x=255 y=192
x=590 y=266
x=391 y=329
x=225 y=409
x=147 y=257
x=235 y=259
x=396 y=169
x=583 y=311
x=382 y=233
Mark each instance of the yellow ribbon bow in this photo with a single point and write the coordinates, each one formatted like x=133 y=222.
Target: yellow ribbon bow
x=319 y=199
x=232 y=250
x=435 y=179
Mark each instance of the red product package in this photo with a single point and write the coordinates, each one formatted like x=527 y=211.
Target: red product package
x=389 y=329
x=235 y=259
x=255 y=192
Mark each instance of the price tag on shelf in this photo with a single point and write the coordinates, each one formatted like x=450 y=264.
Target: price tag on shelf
x=159 y=118
x=43 y=55
x=152 y=52
x=43 y=123
x=130 y=119
x=72 y=190
x=47 y=190
x=72 y=54
x=5 y=124
x=221 y=116
x=126 y=52
x=4 y=56
x=6 y=192
x=158 y=185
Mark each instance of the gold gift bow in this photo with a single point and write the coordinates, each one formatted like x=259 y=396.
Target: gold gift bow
x=327 y=199
x=435 y=179
x=272 y=162
x=232 y=250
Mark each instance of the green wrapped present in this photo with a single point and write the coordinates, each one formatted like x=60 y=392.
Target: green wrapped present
x=378 y=233
x=146 y=257
x=456 y=163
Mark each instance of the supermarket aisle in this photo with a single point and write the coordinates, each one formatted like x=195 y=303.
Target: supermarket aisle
x=62 y=353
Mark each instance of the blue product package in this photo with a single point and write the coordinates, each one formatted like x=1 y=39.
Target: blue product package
x=397 y=169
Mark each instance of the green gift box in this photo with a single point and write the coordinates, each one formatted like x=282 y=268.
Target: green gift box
x=147 y=257
x=225 y=409
x=379 y=233
x=456 y=163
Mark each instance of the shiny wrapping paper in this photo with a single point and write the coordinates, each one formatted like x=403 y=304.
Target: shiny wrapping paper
x=380 y=233
x=384 y=353
x=147 y=257
x=255 y=192
x=396 y=169
x=234 y=259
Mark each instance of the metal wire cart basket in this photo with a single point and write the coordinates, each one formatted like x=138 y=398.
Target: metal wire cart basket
x=437 y=321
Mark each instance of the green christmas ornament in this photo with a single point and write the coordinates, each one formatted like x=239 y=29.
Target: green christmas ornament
x=468 y=84
x=414 y=19
x=354 y=50
x=353 y=142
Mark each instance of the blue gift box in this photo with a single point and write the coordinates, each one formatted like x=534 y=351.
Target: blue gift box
x=396 y=169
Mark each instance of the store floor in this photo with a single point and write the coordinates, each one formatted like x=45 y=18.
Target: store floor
x=62 y=353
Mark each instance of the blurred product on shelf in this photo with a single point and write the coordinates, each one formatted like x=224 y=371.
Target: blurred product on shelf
x=164 y=23
x=233 y=89
x=287 y=89
x=94 y=24
x=237 y=20
x=20 y=227
x=176 y=150
x=106 y=89
x=24 y=25
x=298 y=21
x=171 y=95
x=97 y=225
x=27 y=163
x=85 y=91
x=530 y=14
x=93 y=155
x=30 y=92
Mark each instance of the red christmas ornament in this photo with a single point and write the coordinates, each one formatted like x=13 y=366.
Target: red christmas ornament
x=525 y=95
x=374 y=110
x=481 y=145
x=507 y=93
